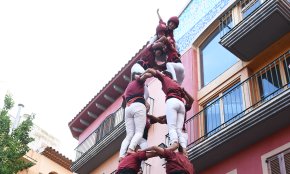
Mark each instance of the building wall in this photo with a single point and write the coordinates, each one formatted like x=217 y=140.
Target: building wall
x=111 y=109
x=43 y=165
x=249 y=160
x=108 y=166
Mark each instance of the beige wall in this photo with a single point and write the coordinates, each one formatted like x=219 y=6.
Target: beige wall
x=43 y=165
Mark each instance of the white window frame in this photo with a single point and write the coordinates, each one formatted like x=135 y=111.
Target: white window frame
x=270 y=154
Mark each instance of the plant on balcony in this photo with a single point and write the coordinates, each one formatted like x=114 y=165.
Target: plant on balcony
x=13 y=144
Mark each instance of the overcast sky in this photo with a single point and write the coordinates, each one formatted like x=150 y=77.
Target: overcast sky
x=56 y=55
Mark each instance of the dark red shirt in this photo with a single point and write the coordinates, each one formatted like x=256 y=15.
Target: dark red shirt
x=134 y=89
x=169 y=86
x=147 y=59
x=176 y=161
x=168 y=32
x=172 y=54
x=132 y=161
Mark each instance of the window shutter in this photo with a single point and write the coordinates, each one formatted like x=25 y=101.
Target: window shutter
x=274 y=167
x=280 y=163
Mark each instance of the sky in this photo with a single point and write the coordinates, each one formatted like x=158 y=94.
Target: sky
x=56 y=55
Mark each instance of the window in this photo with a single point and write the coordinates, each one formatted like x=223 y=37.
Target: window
x=248 y=6
x=270 y=82
x=215 y=59
x=280 y=163
x=224 y=110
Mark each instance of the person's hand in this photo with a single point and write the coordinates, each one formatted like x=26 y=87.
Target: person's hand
x=130 y=151
x=139 y=150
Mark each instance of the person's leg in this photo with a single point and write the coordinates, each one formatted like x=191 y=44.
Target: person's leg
x=139 y=122
x=177 y=71
x=180 y=121
x=143 y=144
x=130 y=130
x=171 y=117
x=170 y=68
x=183 y=139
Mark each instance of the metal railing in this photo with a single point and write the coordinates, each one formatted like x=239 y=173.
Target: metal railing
x=240 y=99
x=108 y=125
x=246 y=8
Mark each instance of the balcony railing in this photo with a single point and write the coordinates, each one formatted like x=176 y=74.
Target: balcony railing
x=146 y=169
x=240 y=99
x=246 y=8
x=109 y=124
x=251 y=26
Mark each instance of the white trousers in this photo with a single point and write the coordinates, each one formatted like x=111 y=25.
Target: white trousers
x=183 y=139
x=175 y=112
x=135 y=120
x=177 y=71
x=143 y=144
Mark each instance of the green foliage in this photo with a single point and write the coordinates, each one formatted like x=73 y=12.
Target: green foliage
x=13 y=145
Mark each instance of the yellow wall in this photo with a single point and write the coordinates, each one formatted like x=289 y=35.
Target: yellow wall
x=43 y=165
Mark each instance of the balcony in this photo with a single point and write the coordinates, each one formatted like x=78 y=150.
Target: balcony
x=94 y=150
x=244 y=114
x=262 y=24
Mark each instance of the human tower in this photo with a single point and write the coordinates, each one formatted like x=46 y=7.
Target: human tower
x=161 y=60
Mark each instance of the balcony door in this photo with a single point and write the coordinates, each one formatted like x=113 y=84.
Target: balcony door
x=223 y=110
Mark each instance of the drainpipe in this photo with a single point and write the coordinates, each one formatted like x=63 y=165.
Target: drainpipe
x=18 y=116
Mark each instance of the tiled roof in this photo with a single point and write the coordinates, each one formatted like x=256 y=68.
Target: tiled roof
x=57 y=157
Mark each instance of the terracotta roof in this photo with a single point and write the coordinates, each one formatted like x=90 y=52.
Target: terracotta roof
x=75 y=122
x=57 y=157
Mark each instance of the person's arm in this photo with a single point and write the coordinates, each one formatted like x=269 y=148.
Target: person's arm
x=151 y=154
x=173 y=146
x=162 y=119
x=162 y=39
x=148 y=72
x=188 y=98
x=156 y=149
x=154 y=119
x=159 y=17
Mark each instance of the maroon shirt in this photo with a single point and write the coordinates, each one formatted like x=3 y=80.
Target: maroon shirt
x=147 y=59
x=177 y=161
x=172 y=54
x=168 y=32
x=169 y=86
x=132 y=161
x=134 y=89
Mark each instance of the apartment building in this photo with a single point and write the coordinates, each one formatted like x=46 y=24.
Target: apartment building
x=237 y=68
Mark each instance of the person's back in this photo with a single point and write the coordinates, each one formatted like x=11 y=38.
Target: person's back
x=177 y=163
x=131 y=163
